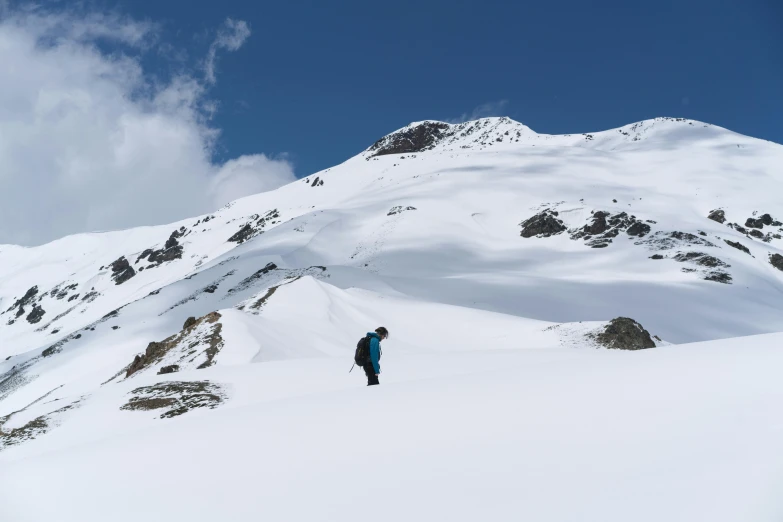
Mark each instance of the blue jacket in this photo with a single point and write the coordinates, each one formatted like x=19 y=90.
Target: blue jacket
x=375 y=351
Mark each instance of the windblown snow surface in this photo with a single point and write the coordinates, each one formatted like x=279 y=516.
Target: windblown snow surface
x=200 y=370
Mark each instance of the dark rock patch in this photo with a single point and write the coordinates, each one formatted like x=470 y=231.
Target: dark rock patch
x=754 y=223
x=543 y=224
x=624 y=333
x=718 y=215
x=121 y=271
x=605 y=226
x=738 y=246
x=91 y=296
x=738 y=228
x=172 y=368
x=669 y=240
x=399 y=210
x=248 y=281
x=416 y=139
x=638 y=229
x=74 y=297
x=186 y=341
x=254 y=227
x=776 y=260
x=27 y=298
x=700 y=258
x=317 y=182
x=176 y=397
x=757 y=233
x=171 y=251
x=189 y=323
x=656 y=256
x=35 y=315
x=718 y=277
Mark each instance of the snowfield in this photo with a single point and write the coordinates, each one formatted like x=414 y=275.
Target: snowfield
x=200 y=370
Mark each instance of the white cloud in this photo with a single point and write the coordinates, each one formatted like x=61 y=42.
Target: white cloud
x=484 y=110
x=89 y=141
x=250 y=175
x=231 y=36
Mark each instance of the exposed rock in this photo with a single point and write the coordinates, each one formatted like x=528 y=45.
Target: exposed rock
x=738 y=246
x=35 y=315
x=91 y=296
x=656 y=256
x=416 y=139
x=543 y=224
x=248 y=281
x=757 y=234
x=317 y=182
x=718 y=215
x=26 y=299
x=604 y=227
x=204 y=333
x=172 y=368
x=638 y=229
x=121 y=271
x=668 y=240
x=700 y=258
x=766 y=219
x=625 y=334
x=738 y=228
x=189 y=322
x=171 y=250
x=718 y=277
x=754 y=223
x=244 y=233
x=399 y=210
x=253 y=227
x=176 y=397
x=776 y=260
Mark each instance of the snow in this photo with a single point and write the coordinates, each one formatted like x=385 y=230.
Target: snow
x=496 y=401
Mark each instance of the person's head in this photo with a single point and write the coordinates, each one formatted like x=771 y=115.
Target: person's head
x=382 y=332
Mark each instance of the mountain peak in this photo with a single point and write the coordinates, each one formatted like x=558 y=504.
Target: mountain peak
x=432 y=134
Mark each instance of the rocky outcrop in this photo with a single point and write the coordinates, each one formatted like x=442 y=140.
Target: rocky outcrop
x=254 y=227
x=701 y=259
x=738 y=246
x=196 y=345
x=623 y=333
x=27 y=298
x=543 y=224
x=121 y=271
x=718 y=215
x=399 y=210
x=605 y=226
x=172 y=250
x=175 y=397
x=414 y=139
x=776 y=260
x=35 y=315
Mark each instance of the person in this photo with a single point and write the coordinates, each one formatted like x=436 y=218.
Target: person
x=373 y=368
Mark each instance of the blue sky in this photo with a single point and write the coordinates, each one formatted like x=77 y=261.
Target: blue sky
x=322 y=81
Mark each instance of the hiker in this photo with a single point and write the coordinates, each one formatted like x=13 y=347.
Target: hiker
x=370 y=361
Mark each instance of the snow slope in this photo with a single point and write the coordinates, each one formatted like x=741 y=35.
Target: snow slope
x=495 y=402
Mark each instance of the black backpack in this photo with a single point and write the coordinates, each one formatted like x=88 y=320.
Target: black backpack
x=362 y=355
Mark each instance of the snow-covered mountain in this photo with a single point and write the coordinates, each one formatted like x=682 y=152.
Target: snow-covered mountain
x=498 y=258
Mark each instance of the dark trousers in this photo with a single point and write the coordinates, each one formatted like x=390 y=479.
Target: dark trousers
x=372 y=379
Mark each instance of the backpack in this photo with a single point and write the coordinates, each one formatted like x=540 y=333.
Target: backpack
x=362 y=355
